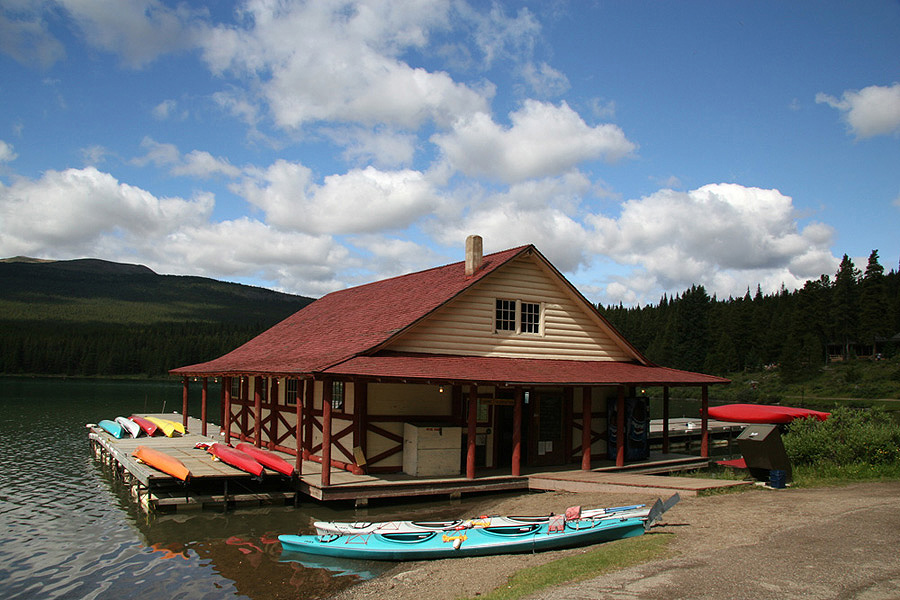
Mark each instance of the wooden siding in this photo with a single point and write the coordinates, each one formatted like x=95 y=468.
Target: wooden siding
x=465 y=326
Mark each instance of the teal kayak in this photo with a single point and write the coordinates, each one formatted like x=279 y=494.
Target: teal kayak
x=421 y=545
x=113 y=428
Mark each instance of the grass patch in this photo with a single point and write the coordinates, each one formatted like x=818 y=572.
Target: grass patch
x=592 y=563
x=831 y=474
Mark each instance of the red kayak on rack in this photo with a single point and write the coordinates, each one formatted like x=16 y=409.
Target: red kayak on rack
x=149 y=427
x=235 y=458
x=762 y=413
x=268 y=459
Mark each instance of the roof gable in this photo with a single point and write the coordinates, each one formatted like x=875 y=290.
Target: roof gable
x=350 y=322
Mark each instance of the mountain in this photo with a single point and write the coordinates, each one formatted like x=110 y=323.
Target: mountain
x=95 y=317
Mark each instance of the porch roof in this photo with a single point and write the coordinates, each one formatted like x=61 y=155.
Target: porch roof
x=524 y=371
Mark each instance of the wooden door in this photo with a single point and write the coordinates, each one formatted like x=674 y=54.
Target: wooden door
x=545 y=436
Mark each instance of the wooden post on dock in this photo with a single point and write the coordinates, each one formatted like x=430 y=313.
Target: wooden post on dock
x=517 y=434
x=704 y=421
x=298 y=429
x=203 y=400
x=226 y=418
x=620 y=427
x=471 y=431
x=586 y=428
x=257 y=410
x=184 y=401
x=665 y=431
x=326 y=432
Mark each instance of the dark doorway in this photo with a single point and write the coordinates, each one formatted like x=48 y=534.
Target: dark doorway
x=545 y=438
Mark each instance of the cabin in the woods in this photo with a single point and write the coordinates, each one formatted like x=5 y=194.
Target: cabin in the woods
x=496 y=362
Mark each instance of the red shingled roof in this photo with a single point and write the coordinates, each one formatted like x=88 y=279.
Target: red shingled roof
x=432 y=367
x=349 y=322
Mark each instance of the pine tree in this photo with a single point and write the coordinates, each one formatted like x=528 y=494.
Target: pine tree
x=874 y=313
x=845 y=305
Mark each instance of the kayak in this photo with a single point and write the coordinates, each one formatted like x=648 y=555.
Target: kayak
x=162 y=462
x=166 y=426
x=112 y=428
x=268 y=459
x=763 y=413
x=233 y=457
x=637 y=511
x=528 y=537
x=149 y=427
x=130 y=426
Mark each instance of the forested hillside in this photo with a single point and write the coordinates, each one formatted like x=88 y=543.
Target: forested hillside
x=854 y=313
x=92 y=317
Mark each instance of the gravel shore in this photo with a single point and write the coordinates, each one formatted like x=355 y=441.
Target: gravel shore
x=834 y=542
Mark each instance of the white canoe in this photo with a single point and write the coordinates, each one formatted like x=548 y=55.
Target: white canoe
x=130 y=426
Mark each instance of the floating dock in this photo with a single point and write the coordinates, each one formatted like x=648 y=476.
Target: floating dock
x=216 y=485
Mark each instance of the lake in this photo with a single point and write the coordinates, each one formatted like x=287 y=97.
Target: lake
x=68 y=529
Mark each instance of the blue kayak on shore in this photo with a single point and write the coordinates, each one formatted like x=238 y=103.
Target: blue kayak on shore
x=484 y=541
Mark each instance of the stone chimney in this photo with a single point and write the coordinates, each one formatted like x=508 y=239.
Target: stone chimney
x=474 y=254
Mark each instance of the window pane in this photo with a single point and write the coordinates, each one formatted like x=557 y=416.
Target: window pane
x=531 y=318
x=505 y=319
x=337 y=395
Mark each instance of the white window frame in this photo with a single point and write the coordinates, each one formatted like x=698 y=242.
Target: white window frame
x=517 y=309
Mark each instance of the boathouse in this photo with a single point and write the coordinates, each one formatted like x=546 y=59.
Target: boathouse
x=493 y=363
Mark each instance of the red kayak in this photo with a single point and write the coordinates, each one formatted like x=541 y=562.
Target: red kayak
x=149 y=427
x=236 y=459
x=267 y=459
x=762 y=413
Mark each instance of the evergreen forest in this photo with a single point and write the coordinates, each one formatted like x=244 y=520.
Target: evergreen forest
x=853 y=314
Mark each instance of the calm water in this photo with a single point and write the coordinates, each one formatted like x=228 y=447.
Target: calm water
x=68 y=530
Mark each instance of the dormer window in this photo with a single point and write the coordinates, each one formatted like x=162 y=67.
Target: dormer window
x=517 y=316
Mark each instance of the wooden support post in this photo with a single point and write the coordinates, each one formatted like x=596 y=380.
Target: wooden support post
x=273 y=416
x=620 y=427
x=184 y=401
x=704 y=421
x=665 y=431
x=204 y=397
x=244 y=414
x=298 y=430
x=360 y=421
x=308 y=415
x=226 y=384
x=586 y=428
x=472 y=422
x=326 y=432
x=226 y=421
x=517 y=434
x=257 y=410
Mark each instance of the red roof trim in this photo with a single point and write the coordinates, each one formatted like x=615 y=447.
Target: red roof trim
x=530 y=371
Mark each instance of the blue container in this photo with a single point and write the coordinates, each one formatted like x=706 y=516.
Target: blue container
x=777 y=479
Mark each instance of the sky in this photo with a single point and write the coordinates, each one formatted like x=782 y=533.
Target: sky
x=642 y=147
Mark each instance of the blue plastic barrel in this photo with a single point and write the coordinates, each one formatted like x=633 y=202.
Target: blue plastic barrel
x=777 y=478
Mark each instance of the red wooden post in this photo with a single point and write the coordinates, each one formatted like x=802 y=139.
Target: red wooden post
x=203 y=399
x=257 y=410
x=184 y=401
x=517 y=434
x=226 y=420
x=471 y=431
x=298 y=429
x=326 y=432
x=665 y=440
x=620 y=427
x=244 y=413
x=586 y=428
x=308 y=416
x=273 y=416
x=704 y=421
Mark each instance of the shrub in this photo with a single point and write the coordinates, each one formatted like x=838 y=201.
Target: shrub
x=849 y=436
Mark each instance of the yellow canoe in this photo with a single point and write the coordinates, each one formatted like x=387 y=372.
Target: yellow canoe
x=166 y=426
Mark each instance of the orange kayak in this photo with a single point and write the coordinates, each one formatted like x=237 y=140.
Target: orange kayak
x=162 y=462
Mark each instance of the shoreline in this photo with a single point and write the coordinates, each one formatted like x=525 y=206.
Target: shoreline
x=724 y=538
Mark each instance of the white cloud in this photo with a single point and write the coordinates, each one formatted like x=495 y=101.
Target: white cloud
x=168 y=109
x=27 y=39
x=359 y=201
x=196 y=163
x=331 y=61
x=725 y=236
x=6 y=152
x=383 y=148
x=137 y=30
x=544 y=80
x=542 y=140
x=83 y=212
x=871 y=111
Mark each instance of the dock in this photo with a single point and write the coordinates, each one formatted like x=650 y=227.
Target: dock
x=218 y=486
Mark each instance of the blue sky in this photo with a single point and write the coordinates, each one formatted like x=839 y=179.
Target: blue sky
x=308 y=146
